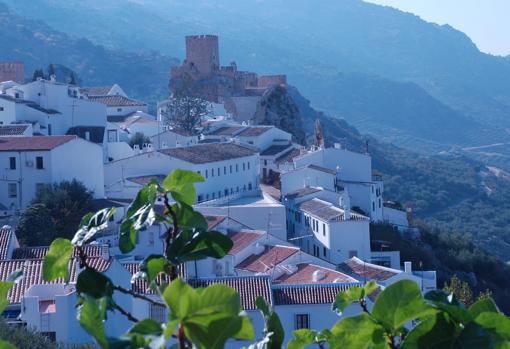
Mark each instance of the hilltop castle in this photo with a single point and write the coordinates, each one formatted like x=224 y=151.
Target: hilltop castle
x=240 y=91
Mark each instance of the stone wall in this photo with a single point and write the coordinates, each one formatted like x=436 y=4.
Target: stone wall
x=14 y=71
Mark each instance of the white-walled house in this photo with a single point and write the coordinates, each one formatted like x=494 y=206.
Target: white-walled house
x=227 y=168
x=29 y=162
x=260 y=136
x=16 y=130
x=173 y=138
x=93 y=91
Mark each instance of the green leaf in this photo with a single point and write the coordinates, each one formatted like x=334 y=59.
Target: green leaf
x=346 y=298
x=482 y=306
x=189 y=218
x=435 y=332
x=450 y=304
x=180 y=298
x=56 y=261
x=194 y=245
x=91 y=315
x=91 y=224
x=5 y=286
x=94 y=284
x=360 y=332
x=6 y=345
x=498 y=325
x=153 y=265
x=370 y=287
x=399 y=303
x=246 y=331
x=180 y=183
x=140 y=215
x=147 y=327
x=272 y=324
x=302 y=338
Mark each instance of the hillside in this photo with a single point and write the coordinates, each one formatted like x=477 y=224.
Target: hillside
x=341 y=46
x=37 y=45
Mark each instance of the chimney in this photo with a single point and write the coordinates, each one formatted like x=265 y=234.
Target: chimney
x=408 y=267
x=345 y=204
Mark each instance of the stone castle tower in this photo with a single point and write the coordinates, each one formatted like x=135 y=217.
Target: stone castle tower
x=202 y=53
x=12 y=71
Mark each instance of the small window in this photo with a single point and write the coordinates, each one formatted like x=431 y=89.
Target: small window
x=206 y=173
x=112 y=136
x=230 y=168
x=248 y=165
x=200 y=198
x=214 y=195
x=226 y=192
x=244 y=166
x=12 y=163
x=224 y=169
x=373 y=206
x=249 y=186
x=12 y=189
x=119 y=110
x=324 y=229
x=237 y=168
x=39 y=162
x=1 y=108
x=219 y=172
x=324 y=251
x=353 y=253
x=265 y=162
x=50 y=132
x=212 y=172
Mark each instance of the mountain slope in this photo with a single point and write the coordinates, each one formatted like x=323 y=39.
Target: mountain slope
x=38 y=45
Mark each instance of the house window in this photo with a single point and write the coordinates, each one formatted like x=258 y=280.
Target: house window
x=230 y=168
x=200 y=198
x=49 y=130
x=324 y=251
x=119 y=110
x=219 y=172
x=244 y=166
x=249 y=186
x=12 y=163
x=226 y=192
x=237 y=168
x=214 y=195
x=158 y=312
x=224 y=169
x=373 y=206
x=12 y=189
x=206 y=173
x=112 y=136
x=324 y=229
x=39 y=164
x=265 y=162
x=212 y=172
x=248 y=165
x=353 y=253
x=1 y=108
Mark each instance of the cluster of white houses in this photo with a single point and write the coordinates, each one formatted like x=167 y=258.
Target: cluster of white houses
x=299 y=217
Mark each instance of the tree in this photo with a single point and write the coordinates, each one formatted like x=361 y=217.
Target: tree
x=185 y=108
x=55 y=212
x=459 y=289
x=51 y=70
x=73 y=80
x=36 y=226
x=140 y=139
x=38 y=73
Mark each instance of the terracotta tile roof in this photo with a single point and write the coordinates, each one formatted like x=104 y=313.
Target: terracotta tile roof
x=227 y=131
x=302 y=192
x=143 y=180
x=206 y=153
x=33 y=143
x=139 y=285
x=12 y=130
x=32 y=274
x=116 y=101
x=96 y=90
x=242 y=240
x=252 y=131
x=94 y=250
x=6 y=236
x=327 y=211
x=305 y=273
x=306 y=294
x=368 y=271
x=275 y=149
x=137 y=119
x=270 y=257
x=214 y=221
x=249 y=288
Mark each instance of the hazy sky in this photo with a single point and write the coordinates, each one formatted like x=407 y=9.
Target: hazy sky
x=486 y=22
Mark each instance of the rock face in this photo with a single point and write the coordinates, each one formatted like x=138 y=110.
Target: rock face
x=278 y=108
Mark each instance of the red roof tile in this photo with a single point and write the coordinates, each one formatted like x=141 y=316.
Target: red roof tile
x=249 y=288
x=139 y=285
x=308 y=294
x=5 y=240
x=305 y=272
x=242 y=240
x=214 y=221
x=91 y=251
x=32 y=274
x=272 y=256
x=367 y=271
x=33 y=143
x=116 y=101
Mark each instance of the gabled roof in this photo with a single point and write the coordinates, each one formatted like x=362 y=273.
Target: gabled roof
x=227 y=131
x=269 y=258
x=275 y=149
x=13 y=130
x=206 y=153
x=116 y=101
x=326 y=211
x=249 y=288
x=144 y=180
x=302 y=192
x=307 y=294
x=288 y=156
x=242 y=240
x=93 y=250
x=96 y=90
x=6 y=235
x=322 y=169
x=368 y=271
x=33 y=143
x=253 y=131
x=305 y=273
x=32 y=274
x=137 y=119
